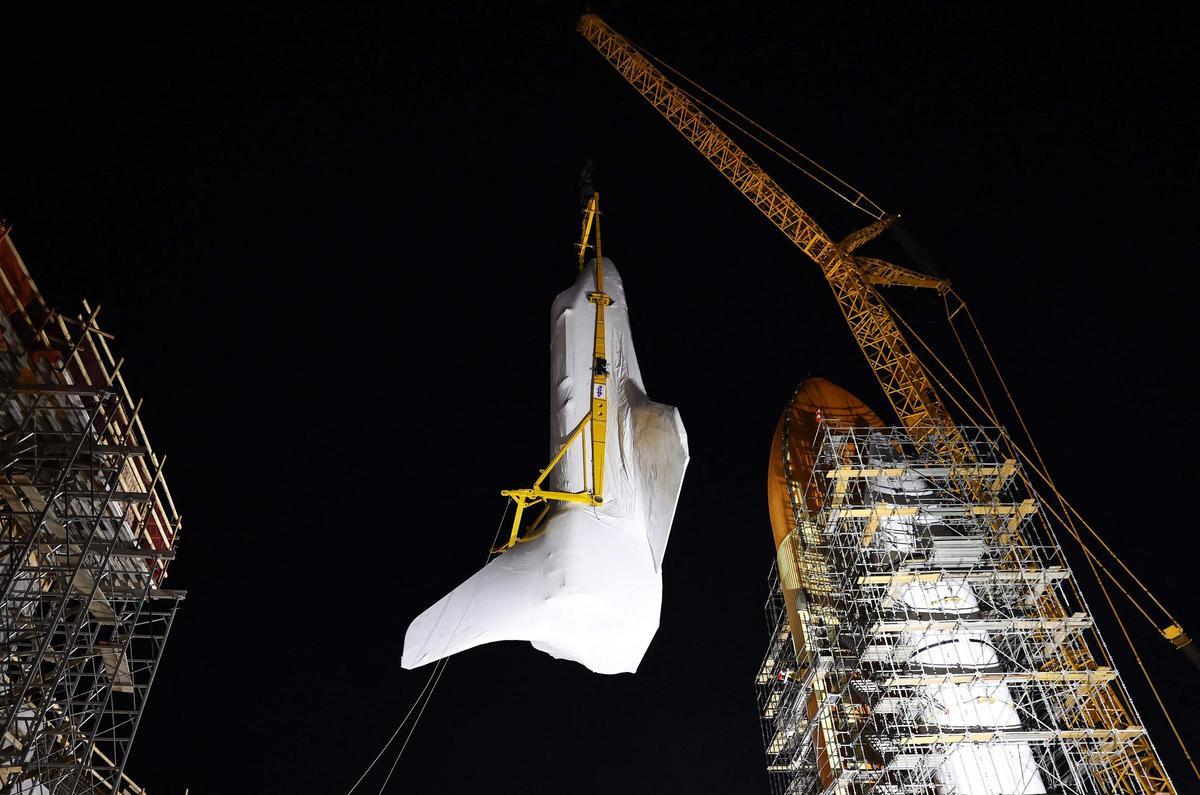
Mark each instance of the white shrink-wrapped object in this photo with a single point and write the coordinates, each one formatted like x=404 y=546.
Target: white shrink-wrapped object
x=984 y=768
x=589 y=587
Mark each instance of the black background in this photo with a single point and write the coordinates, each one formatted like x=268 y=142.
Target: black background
x=328 y=242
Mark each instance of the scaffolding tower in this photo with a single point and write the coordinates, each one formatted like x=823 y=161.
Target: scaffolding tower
x=87 y=531
x=928 y=636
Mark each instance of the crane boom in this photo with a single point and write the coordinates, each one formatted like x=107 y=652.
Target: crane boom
x=900 y=373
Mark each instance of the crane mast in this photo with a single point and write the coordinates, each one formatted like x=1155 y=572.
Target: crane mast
x=852 y=278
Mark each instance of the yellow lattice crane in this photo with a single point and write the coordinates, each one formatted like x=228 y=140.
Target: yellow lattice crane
x=905 y=382
x=853 y=278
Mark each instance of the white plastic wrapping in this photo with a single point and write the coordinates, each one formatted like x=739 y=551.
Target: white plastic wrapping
x=995 y=768
x=986 y=769
x=589 y=588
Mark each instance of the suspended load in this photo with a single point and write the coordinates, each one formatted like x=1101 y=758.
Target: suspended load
x=584 y=584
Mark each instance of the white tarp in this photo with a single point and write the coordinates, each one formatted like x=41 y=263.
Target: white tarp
x=968 y=768
x=589 y=588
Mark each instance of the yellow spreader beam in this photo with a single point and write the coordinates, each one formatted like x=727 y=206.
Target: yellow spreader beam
x=596 y=420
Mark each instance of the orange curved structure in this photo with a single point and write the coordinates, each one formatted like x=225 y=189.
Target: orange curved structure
x=801 y=569
x=815 y=401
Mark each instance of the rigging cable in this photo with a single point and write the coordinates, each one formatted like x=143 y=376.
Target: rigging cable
x=1145 y=673
x=444 y=662
x=431 y=683
x=860 y=201
x=1045 y=472
x=1033 y=466
x=1092 y=564
x=383 y=750
x=1090 y=556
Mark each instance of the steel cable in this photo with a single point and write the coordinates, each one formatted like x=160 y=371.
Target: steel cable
x=1064 y=518
x=431 y=683
x=868 y=206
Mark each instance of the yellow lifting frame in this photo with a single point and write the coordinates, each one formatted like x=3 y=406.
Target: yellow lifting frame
x=596 y=419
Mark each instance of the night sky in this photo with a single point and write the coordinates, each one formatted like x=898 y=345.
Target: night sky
x=328 y=242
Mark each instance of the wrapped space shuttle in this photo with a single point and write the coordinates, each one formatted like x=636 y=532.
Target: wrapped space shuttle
x=588 y=586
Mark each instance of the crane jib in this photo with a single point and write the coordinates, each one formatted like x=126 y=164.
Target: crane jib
x=900 y=373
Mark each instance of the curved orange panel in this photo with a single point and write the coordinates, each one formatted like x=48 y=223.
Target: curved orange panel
x=815 y=400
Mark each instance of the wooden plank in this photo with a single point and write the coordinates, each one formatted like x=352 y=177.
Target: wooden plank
x=1025 y=736
x=1076 y=621
x=1048 y=574
x=1001 y=471
x=1098 y=676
